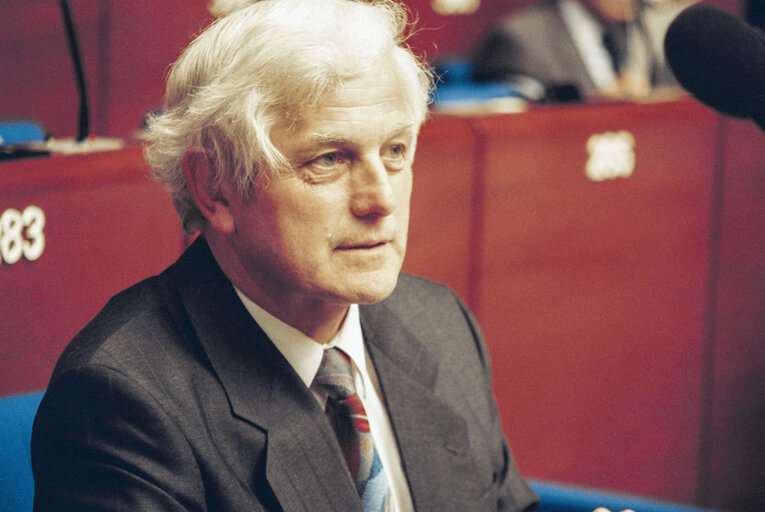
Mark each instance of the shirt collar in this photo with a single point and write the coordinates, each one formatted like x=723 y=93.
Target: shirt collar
x=302 y=352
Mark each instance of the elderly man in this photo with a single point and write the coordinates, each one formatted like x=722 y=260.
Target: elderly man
x=282 y=363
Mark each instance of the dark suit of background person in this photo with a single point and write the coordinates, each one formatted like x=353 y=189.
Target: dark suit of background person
x=174 y=398
x=536 y=42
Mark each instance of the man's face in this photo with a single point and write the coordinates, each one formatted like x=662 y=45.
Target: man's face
x=615 y=10
x=334 y=231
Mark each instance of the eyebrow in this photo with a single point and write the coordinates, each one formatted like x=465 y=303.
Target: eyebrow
x=320 y=140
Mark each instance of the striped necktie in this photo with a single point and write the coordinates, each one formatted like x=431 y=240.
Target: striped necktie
x=615 y=43
x=349 y=420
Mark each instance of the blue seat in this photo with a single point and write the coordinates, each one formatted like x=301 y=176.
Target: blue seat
x=556 y=497
x=16 y=484
x=20 y=132
x=455 y=85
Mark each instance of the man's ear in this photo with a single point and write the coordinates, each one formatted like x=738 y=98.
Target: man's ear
x=199 y=174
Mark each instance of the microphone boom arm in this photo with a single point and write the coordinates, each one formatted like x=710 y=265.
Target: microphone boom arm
x=83 y=117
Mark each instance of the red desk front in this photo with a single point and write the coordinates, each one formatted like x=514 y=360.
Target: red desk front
x=615 y=262
x=75 y=230
x=444 y=212
x=734 y=422
x=613 y=255
x=594 y=288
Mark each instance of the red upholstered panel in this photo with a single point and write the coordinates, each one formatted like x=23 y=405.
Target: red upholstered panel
x=127 y=47
x=106 y=226
x=443 y=214
x=735 y=437
x=593 y=294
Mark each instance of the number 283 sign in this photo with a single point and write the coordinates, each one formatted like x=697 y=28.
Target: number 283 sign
x=21 y=234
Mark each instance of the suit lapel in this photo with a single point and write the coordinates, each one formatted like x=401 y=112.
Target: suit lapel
x=432 y=438
x=563 y=52
x=303 y=459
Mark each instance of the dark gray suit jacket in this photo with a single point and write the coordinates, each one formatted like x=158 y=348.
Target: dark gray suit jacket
x=173 y=398
x=533 y=42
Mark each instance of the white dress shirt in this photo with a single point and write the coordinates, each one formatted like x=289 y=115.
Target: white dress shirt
x=305 y=354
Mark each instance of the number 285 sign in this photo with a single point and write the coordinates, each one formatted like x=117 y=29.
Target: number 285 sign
x=21 y=234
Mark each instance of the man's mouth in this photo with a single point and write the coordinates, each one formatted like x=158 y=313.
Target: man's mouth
x=362 y=245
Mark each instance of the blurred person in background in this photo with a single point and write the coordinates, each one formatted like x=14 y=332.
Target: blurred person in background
x=604 y=48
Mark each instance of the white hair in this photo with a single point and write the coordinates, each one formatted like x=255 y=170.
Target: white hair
x=270 y=61
x=224 y=7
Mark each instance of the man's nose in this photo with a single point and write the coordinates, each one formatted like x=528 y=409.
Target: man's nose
x=372 y=190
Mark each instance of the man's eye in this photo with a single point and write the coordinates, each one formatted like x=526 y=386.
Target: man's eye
x=328 y=160
x=325 y=167
x=395 y=156
x=396 y=151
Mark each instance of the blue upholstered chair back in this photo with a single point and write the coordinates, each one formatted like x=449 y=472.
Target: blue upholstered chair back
x=556 y=497
x=16 y=484
x=20 y=131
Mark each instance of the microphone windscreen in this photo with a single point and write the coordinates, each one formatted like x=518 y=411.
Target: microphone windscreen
x=720 y=60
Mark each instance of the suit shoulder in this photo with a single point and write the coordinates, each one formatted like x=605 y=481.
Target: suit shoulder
x=136 y=310
x=427 y=303
x=412 y=288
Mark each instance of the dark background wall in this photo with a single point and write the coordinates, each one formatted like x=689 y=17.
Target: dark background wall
x=128 y=46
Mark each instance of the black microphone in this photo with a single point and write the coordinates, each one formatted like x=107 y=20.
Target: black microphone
x=720 y=60
x=83 y=113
